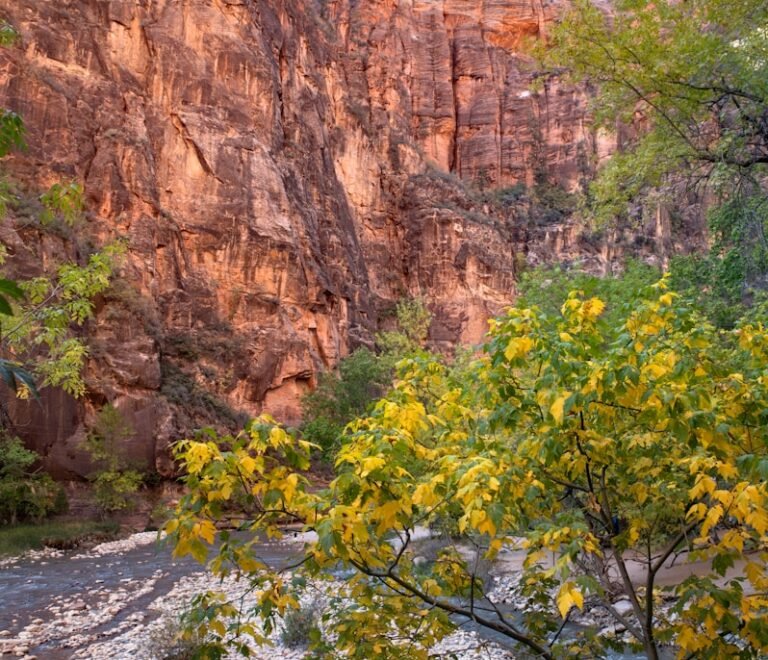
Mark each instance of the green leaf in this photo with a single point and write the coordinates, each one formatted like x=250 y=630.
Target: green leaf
x=11 y=288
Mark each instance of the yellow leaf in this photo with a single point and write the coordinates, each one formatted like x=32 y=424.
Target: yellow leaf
x=758 y=519
x=477 y=517
x=370 y=464
x=704 y=485
x=711 y=519
x=289 y=487
x=518 y=347
x=568 y=596
x=666 y=299
x=248 y=464
x=277 y=436
x=733 y=539
x=725 y=497
x=754 y=573
x=593 y=307
x=727 y=470
x=689 y=640
x=387 y=514
x=655 y=370
x=197 y=456
x=206 y=530
x=487 y=527
x=556 y=409
x=424 y=495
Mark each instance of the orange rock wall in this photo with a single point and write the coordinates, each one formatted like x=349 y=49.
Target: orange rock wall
x=283 y=172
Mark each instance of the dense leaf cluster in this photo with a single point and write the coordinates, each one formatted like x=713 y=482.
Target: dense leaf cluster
x=587 y=442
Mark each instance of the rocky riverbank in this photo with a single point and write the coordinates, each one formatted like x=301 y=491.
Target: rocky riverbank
x=122 y=599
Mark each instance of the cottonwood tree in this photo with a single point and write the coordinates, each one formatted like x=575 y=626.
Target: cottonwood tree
x=599 y=450
x=691 y=79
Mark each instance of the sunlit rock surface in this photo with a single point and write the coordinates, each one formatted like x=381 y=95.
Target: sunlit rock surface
x=283 y=172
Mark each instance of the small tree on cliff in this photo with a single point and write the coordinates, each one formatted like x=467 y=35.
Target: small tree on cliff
x=114 y=483
x=37 y=316
x=586 y=445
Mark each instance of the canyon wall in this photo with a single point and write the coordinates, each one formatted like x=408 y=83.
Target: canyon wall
x=283 y=172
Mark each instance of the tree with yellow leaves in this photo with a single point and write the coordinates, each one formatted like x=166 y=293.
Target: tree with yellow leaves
x=600 y=452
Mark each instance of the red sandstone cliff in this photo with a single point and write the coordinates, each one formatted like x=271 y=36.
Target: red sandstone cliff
x=279 y=170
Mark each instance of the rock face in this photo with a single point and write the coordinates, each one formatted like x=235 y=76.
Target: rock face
x=283 y=171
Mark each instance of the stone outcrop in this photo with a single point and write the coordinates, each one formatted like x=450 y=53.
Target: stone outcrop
x=283 y=172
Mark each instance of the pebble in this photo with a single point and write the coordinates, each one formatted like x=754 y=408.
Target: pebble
x=623 y=607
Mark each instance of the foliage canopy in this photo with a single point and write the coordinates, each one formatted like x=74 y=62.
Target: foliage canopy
x=692 y=75
x=596 y=444
x=690 y=80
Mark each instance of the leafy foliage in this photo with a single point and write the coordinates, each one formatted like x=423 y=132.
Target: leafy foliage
x=341 y=397
x=548 y=288
x=168 y=641
x=64 y=201
x=298 y=626
x=362 y=377
x=113 y=484
x=8 y=35
x=593 y=442
x=702 y=91
x=11 y=132
x=540 y=205
x=24 y=493
x=41 y=332
x=413 y=320
x=729 y=280
x=691 y=78
x=112 y=489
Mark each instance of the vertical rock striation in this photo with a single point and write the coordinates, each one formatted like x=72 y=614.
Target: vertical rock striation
x=283 y=171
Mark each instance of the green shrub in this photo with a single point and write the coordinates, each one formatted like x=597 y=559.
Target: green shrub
x=362 y=377
x=25 y=494
x=547 y=288
x=172 y=641
x=324 y=432
x=113 y=489
x=298 y=626
x=113 y=482
x=341 y=396
x=413 y=321
x=201 y=407
x=161 y=513
x=541 y=205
